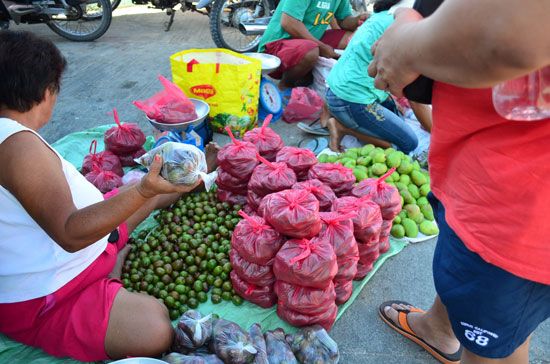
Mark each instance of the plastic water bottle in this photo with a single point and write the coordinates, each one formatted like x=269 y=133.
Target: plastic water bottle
x=526 y=98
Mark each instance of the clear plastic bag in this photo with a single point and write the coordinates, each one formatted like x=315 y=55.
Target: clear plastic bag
x=104 y=181
x=299 y=159
x=255 y=240
x=278 y=350
x=169 y=106
x=322 y=192
x=271 y=177
x=259 y=275
x=177 y=358
x=192 y=331
x=123 y=138
x=231 y=344
x=265 y=139
x=182 y=164
x=238 y=158
x=313 y=345
x=306 y=300
x=133 y=176
x=263 y=296
x=106 y=161
x=336 y=176
x=258 y=341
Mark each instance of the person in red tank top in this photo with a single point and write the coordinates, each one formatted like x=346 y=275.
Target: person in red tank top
x=488 y=177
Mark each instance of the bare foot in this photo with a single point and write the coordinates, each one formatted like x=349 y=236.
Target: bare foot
x=211 y=150
x=120 y=258
x=325 y=115
x=439 y=337
x=336 y=135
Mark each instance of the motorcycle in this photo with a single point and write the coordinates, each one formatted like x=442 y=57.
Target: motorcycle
x=76 y=20
x=170 y=7
x=238 y=25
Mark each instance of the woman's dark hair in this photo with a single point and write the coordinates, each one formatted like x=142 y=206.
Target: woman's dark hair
x=381 y=5
x=29 y=65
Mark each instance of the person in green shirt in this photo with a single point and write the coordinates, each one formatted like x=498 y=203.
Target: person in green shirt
x=298 y=35
x=357 y=107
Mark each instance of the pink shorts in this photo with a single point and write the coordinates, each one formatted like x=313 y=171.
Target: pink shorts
x=72 y=321
x=292 y=51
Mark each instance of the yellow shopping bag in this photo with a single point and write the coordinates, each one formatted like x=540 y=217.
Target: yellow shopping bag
x=229 y=82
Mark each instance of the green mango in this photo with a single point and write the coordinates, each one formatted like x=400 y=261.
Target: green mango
x=412 y=209
x=401 y=154
x=411 y=229
x=418 y=178
x=332 y=159
x=416 y=166
x=424 y=189
x=407 y=197
x=389 y=151
x=428 y=228
x=360 y=173
x=393 y=160
x=405 y=179
x=350 y=153
x=366 y=149
x=402 y=201
x=402 y=215
x=395 y=176
x=379 y=169
x=397 y=220
x=350 y=163
x=421 y=201
x=364 y=161
x=323 y=158
x=397 y=231
x=413 y=190
x=405 y=167
x=427 y=211
x=378 y=156
x=400 y=186
x=390 y=184
x=417 y=218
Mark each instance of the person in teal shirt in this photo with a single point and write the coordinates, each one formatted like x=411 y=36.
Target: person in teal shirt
x=357 y=107
x=298 y=35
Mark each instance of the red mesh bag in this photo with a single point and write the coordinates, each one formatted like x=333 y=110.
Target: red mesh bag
x=262 y=296
x=326 y=319
x=106 y=161
x=271 y=177
x=309 y=263
x=105 y=181
x=123 y=138
x=321 y=191
x=255 y=240
x=265 y=139
x=343 y=290
x=368 y=221
x=227 y=182
x=231 y=197
x=309 y=301
x=336 y=176
x=253 y=200
x=385 y=195
x=300 y=160
x=238 y=158
x=294 y=213
x=128 y=159
x=259 y=275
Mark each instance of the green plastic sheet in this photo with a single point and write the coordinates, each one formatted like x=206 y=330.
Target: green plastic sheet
x=73 y=148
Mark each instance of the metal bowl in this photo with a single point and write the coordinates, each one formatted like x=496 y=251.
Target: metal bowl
x=202 y=109
x=139 y=361
x=269 y=63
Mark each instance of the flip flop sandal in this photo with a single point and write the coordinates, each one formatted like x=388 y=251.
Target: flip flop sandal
x=404 y=329
x=311 y=128
x=316 y=145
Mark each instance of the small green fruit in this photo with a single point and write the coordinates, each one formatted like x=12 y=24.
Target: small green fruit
x=413 y=190
x=429 y=228
x=424 y=189
x=418 y=178
x=421 y=201
x=405 y=179
x=379 y=169
x=411 y=229
x=397 y=231
x=427 y=211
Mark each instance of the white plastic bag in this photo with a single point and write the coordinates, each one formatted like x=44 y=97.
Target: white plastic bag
x=320 y=74
x=182 y=164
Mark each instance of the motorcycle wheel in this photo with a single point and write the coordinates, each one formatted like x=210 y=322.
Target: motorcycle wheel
x=115 y=4
x=225 y=18
x=88 y=23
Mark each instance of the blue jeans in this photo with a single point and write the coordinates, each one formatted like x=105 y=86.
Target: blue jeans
x=377 y=120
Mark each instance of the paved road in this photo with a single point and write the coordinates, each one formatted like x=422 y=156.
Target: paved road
x=123 y=65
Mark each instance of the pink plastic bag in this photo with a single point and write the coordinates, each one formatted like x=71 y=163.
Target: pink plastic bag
x=105 y=181
x=256 y=241
x=263 y=296
x=338 y=229
x=259 y=275
x=238 y=158
x=326 y=319
x=269 y=177
x=347 y=267
x=231 y=197
x=253 y=200
x=321 y=191
x=127 y=160
x=306 y=300
x=336 y=176
x=294 y=213
x=124 y=138
x=265 y=139
x=368 y=222
x=299 y=159
x=385 y=195
x=169 y=106
x=309 y=263
x=343 y=290
x=227 y=182
x=106 y=161
x=304 y=105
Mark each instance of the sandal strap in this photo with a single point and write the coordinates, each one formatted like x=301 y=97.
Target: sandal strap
x=403 y=320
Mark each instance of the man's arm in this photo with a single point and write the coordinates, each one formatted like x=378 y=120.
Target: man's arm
x=351 y=23
x=467 y=43
x=298 y=30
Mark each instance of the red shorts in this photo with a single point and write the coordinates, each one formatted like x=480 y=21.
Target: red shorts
x=292 y=51
x=72 y=321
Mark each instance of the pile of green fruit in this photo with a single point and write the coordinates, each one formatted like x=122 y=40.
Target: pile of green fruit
x=186 y=255
x=411 y=180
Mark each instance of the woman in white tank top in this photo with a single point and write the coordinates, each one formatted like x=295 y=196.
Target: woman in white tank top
x=54 y=225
